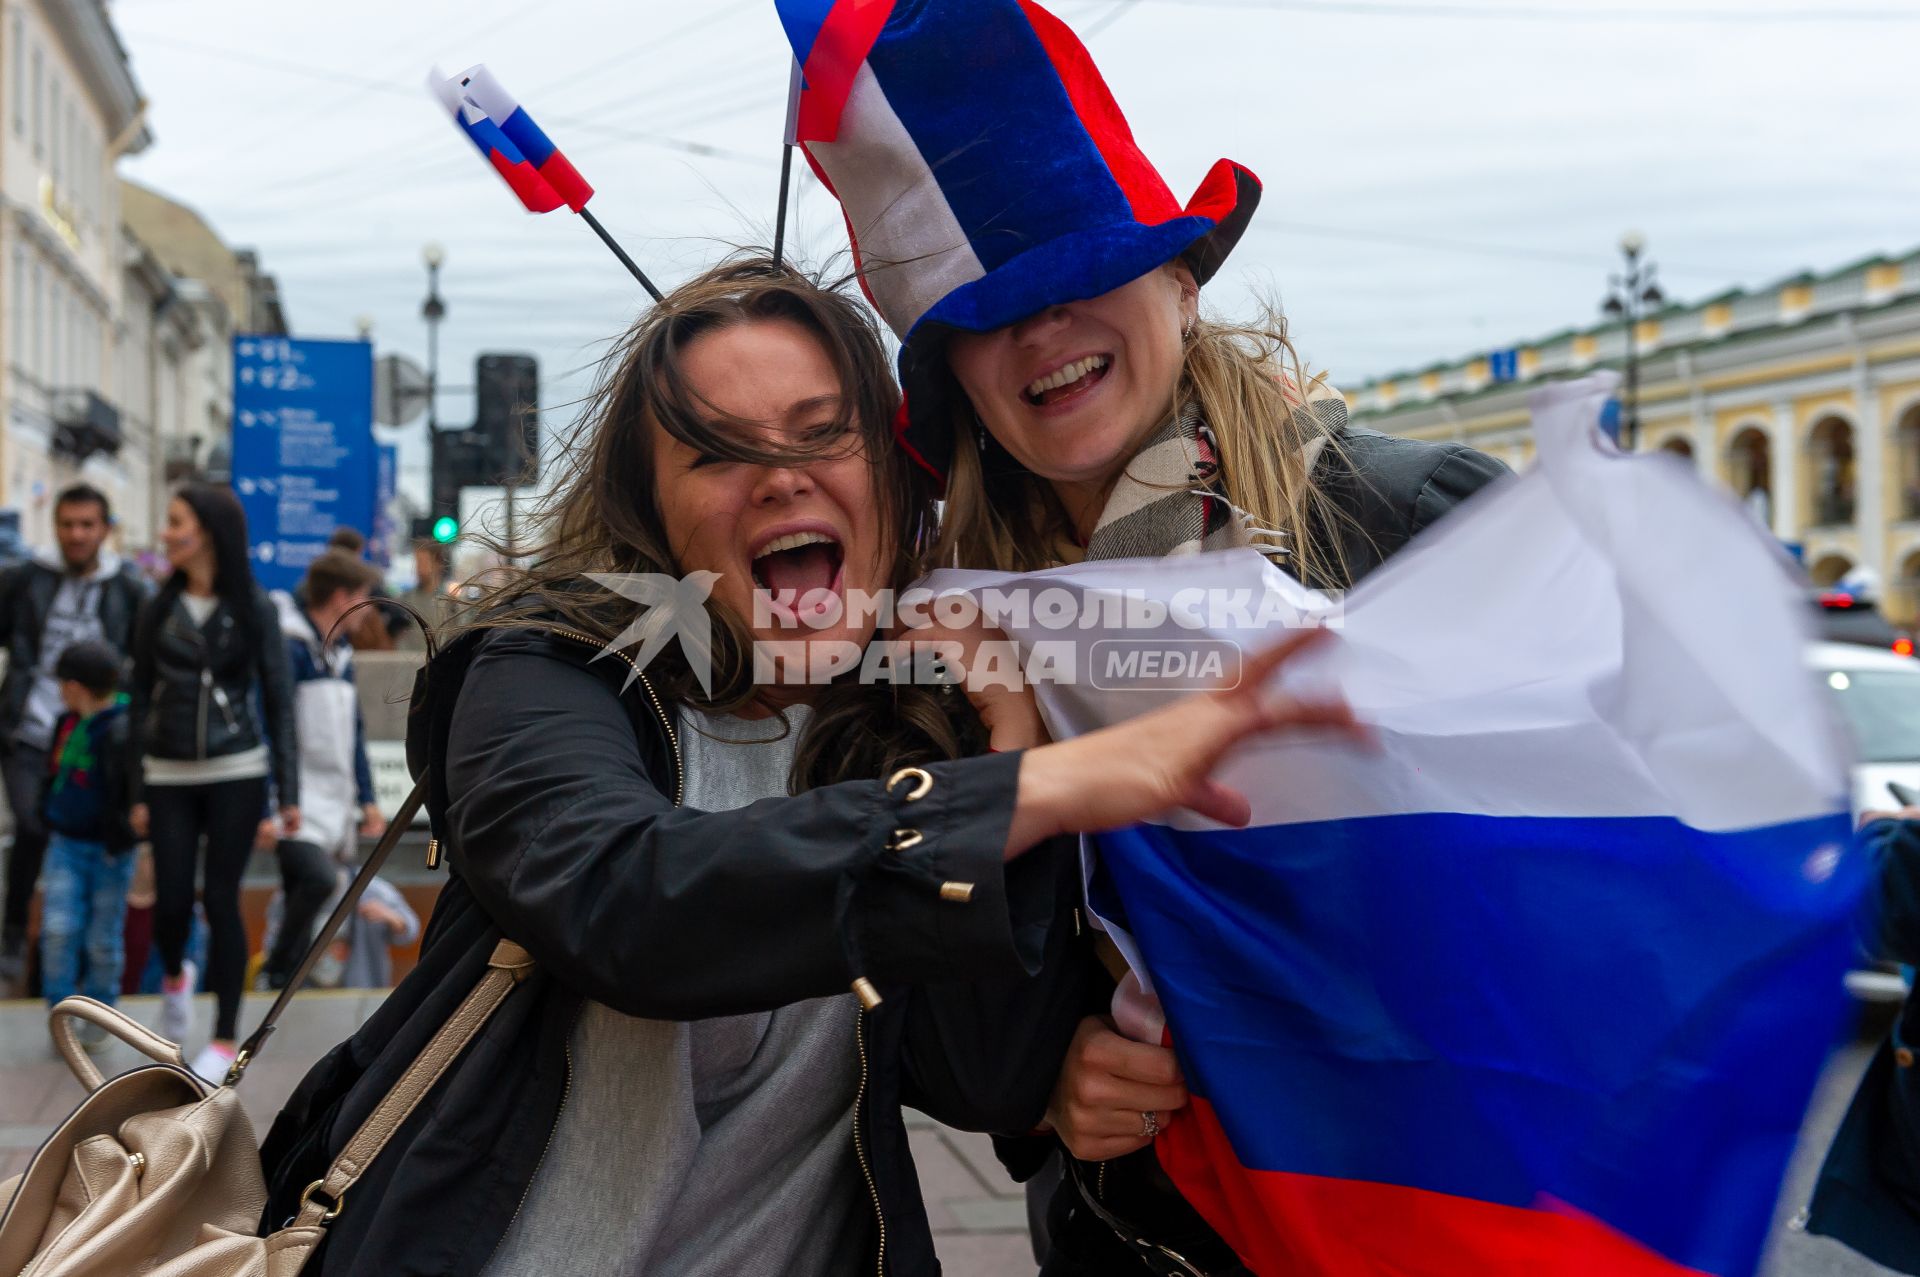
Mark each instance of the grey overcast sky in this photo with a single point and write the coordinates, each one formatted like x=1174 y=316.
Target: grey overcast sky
x=1440 y=177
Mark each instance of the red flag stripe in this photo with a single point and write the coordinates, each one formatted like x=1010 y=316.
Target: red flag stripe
x=1286 y=1225
x=837 y=55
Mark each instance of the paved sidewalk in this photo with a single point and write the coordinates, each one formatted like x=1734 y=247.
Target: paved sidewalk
x=979 y=1218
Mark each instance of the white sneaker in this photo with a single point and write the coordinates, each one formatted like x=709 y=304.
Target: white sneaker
x=176 y=1004
x=213 y=1062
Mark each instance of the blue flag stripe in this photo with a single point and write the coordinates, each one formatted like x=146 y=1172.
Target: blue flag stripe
x=1623 y=1013
x=1034 y=126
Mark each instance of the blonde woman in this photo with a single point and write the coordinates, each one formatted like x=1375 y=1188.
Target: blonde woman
x=1063 y=383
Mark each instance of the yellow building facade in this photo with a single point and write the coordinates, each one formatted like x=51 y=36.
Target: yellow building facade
x=1802 y=399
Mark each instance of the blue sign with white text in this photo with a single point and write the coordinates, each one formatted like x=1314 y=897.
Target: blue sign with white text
x=1503 y=365
x=303 y=450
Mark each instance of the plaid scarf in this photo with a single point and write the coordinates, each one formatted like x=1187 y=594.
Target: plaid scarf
x=1170 y=500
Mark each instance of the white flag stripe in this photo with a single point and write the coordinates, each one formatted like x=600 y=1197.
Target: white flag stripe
x=482 y=90
x=889 y=192
x=1602 y=636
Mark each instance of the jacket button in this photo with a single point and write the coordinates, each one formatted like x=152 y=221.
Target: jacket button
x=1903 y=1056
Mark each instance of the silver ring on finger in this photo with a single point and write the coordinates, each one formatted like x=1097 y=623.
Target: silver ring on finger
x=1150 y=1124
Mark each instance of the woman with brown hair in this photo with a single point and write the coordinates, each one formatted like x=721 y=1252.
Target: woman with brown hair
x=762 y=909
x=1063 y=384
x=213 y=735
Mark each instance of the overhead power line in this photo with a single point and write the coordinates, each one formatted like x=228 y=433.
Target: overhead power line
x=369 y=83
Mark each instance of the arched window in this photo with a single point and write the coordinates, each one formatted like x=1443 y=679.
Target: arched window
x=1903 y=595
x=1830 y=446
x=1907 y=440
x=1750 y=471
x=1828 y=569
x=1679 y=447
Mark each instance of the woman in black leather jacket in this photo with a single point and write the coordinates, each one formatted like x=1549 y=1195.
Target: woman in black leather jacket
x=209 y=664
x=749 y=947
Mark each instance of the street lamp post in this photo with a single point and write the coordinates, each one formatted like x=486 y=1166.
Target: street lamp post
x=1631 y=296
x=433 y=310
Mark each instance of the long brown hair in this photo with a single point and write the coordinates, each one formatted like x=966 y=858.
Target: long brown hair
x=603 y=515
x=1250 y=388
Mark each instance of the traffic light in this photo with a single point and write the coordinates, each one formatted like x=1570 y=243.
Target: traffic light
x=502 y=447
x=455 y=458
x=506 y=418
x=446 y=529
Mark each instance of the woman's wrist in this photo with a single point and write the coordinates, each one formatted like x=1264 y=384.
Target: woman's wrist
x=1040 y=799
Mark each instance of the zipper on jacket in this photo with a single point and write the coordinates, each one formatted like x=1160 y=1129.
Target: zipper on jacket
x=226 y=708
x=653 y=699
x=859 y=1145
x=566 y=1092
x=206 y=682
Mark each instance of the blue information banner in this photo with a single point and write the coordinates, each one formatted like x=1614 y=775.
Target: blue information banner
x=303 y=450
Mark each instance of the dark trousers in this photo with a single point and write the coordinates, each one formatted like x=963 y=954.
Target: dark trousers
x=225 y=813
x=24 y=770
x=308 y=876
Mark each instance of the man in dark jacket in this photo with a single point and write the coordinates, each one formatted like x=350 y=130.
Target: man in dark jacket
x=1868 y=1195
x=87 y=593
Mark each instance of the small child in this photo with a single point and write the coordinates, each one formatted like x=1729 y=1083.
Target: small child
x=85 y=806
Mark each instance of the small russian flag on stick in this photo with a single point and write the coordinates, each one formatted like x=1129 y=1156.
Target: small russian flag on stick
x=524 y=156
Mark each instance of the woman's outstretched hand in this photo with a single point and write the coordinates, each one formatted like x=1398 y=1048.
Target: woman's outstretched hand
x=1165 y=760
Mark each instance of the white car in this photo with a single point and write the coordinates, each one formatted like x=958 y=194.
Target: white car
x=1878 y=693
x=1879 y=698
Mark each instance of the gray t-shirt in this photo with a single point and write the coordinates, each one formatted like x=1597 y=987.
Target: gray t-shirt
x=711 y=1147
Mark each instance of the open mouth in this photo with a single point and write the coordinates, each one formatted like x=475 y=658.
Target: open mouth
x=800 y=572
x=1069 y=382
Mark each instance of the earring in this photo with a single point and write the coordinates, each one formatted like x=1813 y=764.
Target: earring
x=1193 y=321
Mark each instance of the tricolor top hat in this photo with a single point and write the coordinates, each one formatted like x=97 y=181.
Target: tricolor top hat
x=986 y=173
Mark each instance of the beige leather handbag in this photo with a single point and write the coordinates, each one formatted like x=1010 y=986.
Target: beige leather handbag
x=158 y=1173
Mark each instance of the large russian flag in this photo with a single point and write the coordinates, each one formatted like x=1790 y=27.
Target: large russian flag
x=1543 y=985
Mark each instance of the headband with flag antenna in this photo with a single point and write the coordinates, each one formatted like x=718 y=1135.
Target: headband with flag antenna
x=794 y=84
x=523 y=155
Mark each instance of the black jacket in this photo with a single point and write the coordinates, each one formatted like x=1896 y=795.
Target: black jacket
x=1384 y=490
x=556 y=794
x=26 y=597
x=109 y=778
x=194 y=687
x=1868 y=1194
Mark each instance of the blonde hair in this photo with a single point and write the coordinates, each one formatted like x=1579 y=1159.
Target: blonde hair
x=1249 y=386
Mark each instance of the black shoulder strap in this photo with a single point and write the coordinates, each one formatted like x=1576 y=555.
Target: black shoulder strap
x=402 y=820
